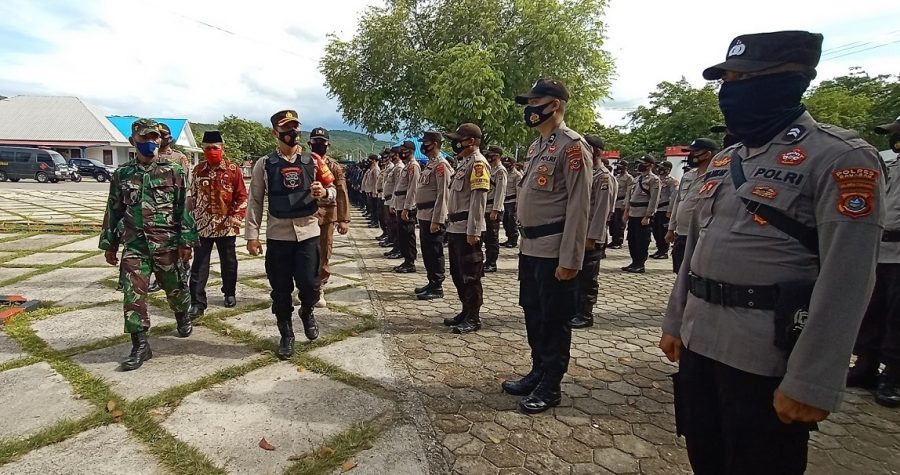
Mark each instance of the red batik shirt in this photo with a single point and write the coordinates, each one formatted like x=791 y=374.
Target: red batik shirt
x=219 y=198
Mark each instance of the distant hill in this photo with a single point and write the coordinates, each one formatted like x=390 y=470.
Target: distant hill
x=344 y=143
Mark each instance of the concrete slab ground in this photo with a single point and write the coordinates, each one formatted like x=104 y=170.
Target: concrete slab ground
x=36 y=242
x=336 y=281
x=44 y=258
x=86 y=244
x=397 y=452
x=98 y=260
x=82 y=327
x=9 y=349
x=246 y=295
x=295 y=412
x=354 y=298
x=7 y=273
x=176 y=361
x=108 y=450
x=363 y=355
x=262 y=323
x=42 y=398
x=67 y=286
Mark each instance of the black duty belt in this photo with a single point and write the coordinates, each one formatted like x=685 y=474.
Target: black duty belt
x=890 y=236
x=663 y=203
x=508 y=198
x=461 y=216
x=379 y=191
x=635 y=204
x=400 y=193
x=387 y=197
x=534 y=232
x=490 y=201
x=427 y=205
x=759 y=297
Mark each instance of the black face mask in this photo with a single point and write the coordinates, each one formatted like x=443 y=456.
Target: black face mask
x=425 y=148
x=895 y=142
x=730 y=140
x=535 y=115
x=694 y=160
x=404 y=155
x=319 y=148
x=643 y=167
x=289 y=138
x=457 y=146
x=758 y=108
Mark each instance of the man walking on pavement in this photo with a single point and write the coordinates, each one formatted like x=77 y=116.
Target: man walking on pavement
x=555 y=199
x=146 y=212
x=624 y=182
x=639 y=209
x=668 y=185
x=780 y=264
x=292 y=182
x=432 y=195
x=495 y=202
x=466 y=204
x=684 y=201
x=510 y=220
x=405 y=207
x=603 y=199
x=219 y=207
x=332 y=213
x=878 y=341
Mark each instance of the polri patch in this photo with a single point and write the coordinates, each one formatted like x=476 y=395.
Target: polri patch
x=792 y=157
x=543 y=169
x=541 y=181
x=708 y=188
x=764 y=191
x=857 y=188
x=721 y=162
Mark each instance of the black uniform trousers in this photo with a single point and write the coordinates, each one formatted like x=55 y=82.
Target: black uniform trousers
x=374 y=209
x=433 y=252
x=228 y=265
x=510 y=222
x=290 y=264
x=660 y=226
x=638 y=241
x=617 y=227
x=678 y=252
x=548 y=305
x=879 y=335
x=406 y=236
x=466 y=269
x=491 y=238
x=390 y=228
x=588 y=281
x=728 y=421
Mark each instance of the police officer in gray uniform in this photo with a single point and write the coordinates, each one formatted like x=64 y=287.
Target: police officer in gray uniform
x=495 y=203
x=668 y=186
x=640 y=208
x=510 y=219
x=404 y=205
x=555 y=199
x=431 y=202
x=603 y=199
x=624 y=182
x=878 y=341
x=787 y=220
x=684 y=200
x=467 y=201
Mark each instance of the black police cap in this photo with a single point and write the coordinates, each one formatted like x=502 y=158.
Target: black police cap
x=318 y=133
x=702 y=143
x=759 y=51
x=648 y=159
x=595 y=141
x=432 y=136
x=718 y=129
x=892 y=128
x=407 y=144
x=494 y=150
x=545 y=88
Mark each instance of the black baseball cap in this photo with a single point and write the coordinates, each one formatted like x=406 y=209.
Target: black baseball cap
x=648 y=159
x=545 y=88
x=718 y=129
x=319 y=133
x=394 y=149
x=281 y=118
x=666 y=164
x=494 y=150
x=465 y=131
x=892 y=128
x=595 y=141
x=760 y=51
x=407 y=144
x=702 y=143
x=432 y=136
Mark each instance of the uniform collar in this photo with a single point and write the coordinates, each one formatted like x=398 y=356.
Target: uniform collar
x=794 y=133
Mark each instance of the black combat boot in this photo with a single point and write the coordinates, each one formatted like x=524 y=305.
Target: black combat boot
x=431 y=294
x=490 y=267
x=471 y=324
x=581 y=321
x=510 y=243
x=459 y=318
x=185 y=327
x=405 y=268
x=887 y=394
x=195 y=311
x=544 y=396
x=310 y=327
x=154 y=287
x=524 y=386
x=140 y=351
x=425 y=288
x=286 y=346
x=863 y=374
x=230 y=301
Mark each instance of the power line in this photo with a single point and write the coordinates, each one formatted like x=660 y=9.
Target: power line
x=862 y=50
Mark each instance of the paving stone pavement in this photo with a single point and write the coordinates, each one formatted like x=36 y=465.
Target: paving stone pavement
x=385 y=366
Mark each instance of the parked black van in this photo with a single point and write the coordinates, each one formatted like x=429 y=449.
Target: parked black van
x=32 y=163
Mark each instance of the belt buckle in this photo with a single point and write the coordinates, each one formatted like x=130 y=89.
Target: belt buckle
x=723 y=290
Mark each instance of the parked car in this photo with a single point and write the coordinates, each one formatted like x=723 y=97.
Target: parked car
x=93 y=168
x=33 y=164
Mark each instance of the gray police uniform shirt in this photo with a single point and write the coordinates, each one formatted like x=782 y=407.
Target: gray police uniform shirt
x=434 y=186
x=379 y=182
x=557 y=187
x=603 y=199
x=644 y=197
x=469 y=188
x=624 y=181
x=497 y=195
x=368 y=183
x=889 y=252
x=512 y=185
x=668 y=186
x=822 y=176
x=395 y=178
x=405 y=192
x=390 y=182
x=683 y=202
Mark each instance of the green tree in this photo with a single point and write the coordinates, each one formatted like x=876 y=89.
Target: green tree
x=839 y=106
x=437 y=63
x=245 y=139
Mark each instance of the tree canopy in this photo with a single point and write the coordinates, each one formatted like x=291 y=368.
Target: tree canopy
x=437 y=63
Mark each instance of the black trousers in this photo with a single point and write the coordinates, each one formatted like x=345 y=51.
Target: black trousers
x=391 y=230
x=290 y=264
x=406 y=234
x=491 y=238
x=617 y=227
x=638 y=241
x=383 y=215
x=729 y=424
x=660 y=226
x=879 y=335
x=375 y=205
x=228 y=265
x=678 y=252
x=548 y=305
x=510 y=222
x=432 y=251
x=588 y=283
x=466 y=267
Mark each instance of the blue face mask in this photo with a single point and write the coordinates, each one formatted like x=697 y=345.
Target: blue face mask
x=147 y=149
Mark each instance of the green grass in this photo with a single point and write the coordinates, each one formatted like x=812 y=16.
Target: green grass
x=340 y=449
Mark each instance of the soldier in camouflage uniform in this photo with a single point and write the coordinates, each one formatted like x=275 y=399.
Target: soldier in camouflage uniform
x=146 y=213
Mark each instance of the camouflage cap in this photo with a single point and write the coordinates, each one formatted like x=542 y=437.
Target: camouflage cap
x=145 y=126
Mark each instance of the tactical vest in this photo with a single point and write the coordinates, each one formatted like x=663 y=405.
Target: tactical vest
x=289 y=186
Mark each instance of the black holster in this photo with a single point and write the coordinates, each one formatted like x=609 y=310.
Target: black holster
x=791 y=312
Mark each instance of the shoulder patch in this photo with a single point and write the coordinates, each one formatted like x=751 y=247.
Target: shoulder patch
x=480 y=179
x=857 y=187
x=439 y=170
x=721 y=162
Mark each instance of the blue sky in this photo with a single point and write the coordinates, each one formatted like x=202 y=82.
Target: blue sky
x=205 y=59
